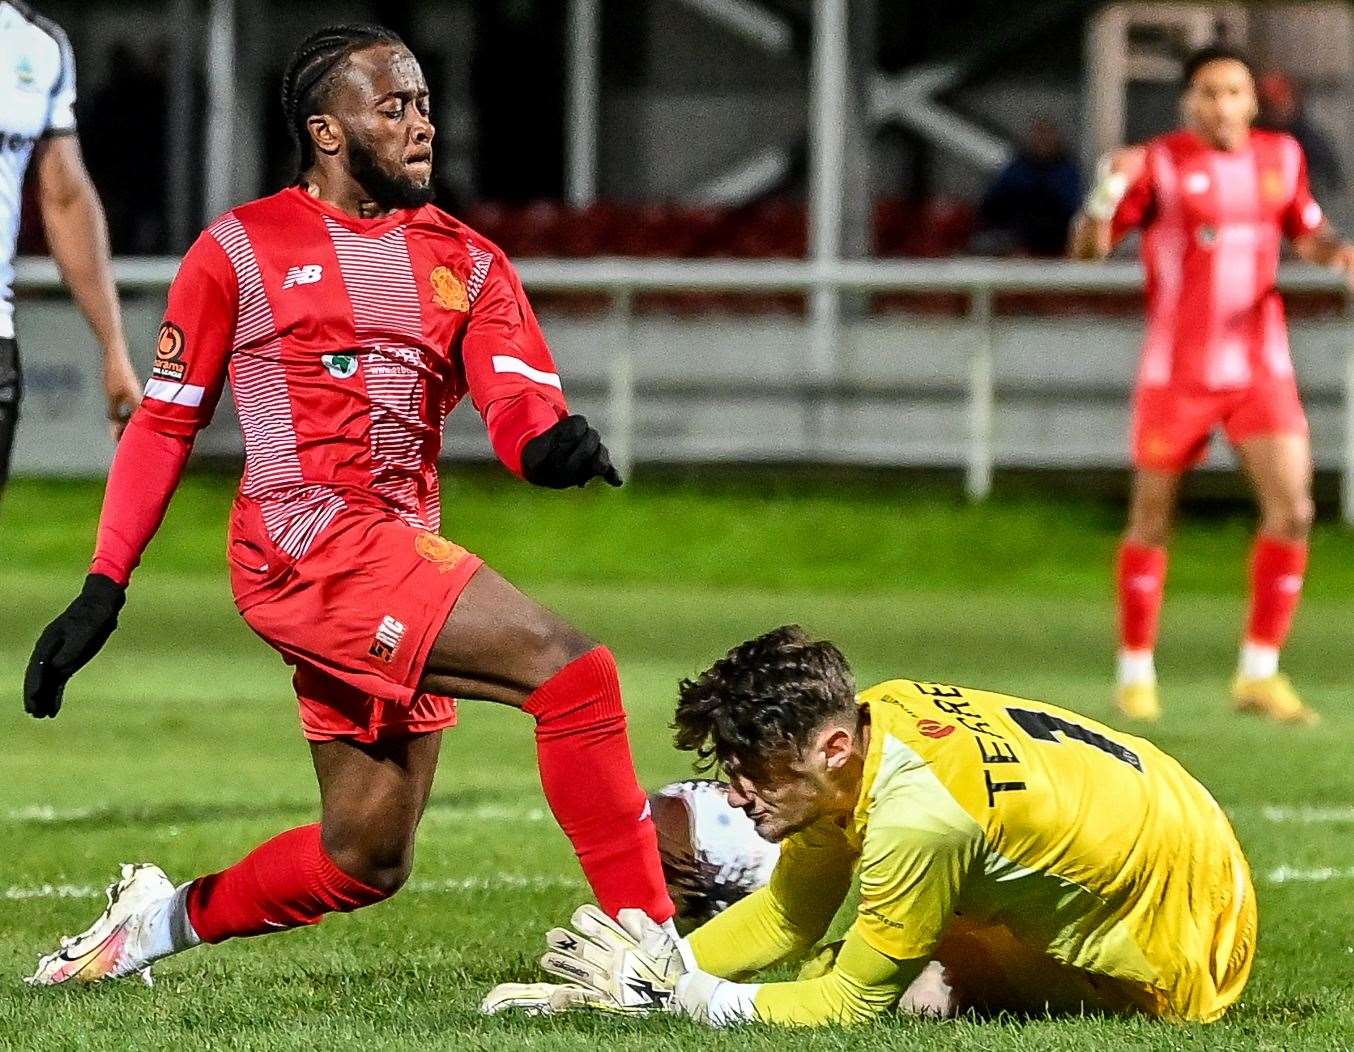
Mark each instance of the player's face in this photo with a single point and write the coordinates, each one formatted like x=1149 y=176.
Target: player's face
x=383 y=107
x=780 y=801
x=1220 y=103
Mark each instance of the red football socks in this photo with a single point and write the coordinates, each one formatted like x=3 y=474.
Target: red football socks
x=589 y=780
x=1142 y=580
x=1276 y=585
x=284 y=883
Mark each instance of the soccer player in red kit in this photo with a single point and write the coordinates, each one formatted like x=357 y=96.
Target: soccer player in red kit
x=350 y=316
x=1214 y=202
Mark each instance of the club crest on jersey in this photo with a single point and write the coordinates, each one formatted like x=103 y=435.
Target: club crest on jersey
x=169 y=363
x=340 y=366
x=306 y=275
x=449 y=291
x=24 y=72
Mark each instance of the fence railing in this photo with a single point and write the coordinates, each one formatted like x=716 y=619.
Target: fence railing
x=979 y=281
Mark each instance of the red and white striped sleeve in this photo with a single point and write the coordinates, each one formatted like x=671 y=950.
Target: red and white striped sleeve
x=190 y=369
x=511 y=374
x=194 y=342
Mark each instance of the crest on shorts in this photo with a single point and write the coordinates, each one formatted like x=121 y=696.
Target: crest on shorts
x=169 y=364
x=439 y=551
x=448 y=290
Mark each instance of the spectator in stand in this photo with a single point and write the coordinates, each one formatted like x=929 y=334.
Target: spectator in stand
x=1027 y=209
x=1282 y=109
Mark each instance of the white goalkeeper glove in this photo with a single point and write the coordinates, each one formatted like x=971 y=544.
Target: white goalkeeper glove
x=548 y=999
x=1109 y=189
x=631 y=962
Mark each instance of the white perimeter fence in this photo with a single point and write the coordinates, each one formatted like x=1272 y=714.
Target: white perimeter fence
x=806 y=370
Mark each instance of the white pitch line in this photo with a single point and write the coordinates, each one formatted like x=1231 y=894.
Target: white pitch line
x=45 y=814
x=1306 y=814
x=42 y=814
x=1314 y=875
x=492 y=882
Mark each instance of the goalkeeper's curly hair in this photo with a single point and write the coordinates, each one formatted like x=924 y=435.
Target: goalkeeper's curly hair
x=761 y=702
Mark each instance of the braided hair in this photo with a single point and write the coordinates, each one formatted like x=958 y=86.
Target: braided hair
x=762 y=702
x=311 y=72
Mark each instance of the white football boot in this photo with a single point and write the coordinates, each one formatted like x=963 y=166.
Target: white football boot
x=114 y=945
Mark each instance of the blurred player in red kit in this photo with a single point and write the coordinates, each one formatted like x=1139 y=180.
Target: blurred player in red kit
x=350 y=316
x=1214 y=202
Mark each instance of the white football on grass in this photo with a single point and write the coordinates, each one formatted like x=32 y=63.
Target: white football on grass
x=712 y=855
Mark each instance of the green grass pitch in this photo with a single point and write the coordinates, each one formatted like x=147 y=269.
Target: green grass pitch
x=180 y=745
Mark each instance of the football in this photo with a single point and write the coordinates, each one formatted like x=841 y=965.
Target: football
x=712 y=855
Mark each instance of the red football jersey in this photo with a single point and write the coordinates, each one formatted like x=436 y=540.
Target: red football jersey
x=347 y=341
x=1212 y=223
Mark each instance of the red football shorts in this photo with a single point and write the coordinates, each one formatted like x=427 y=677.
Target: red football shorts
x=356 y=616
x=1172 y=425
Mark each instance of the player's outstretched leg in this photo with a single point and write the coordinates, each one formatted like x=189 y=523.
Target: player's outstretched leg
x=1279 y=467
x=1141 y=581
x=360 y=853
x=500 y=645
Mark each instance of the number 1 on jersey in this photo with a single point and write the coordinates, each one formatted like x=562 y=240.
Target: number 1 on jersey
x=1045 y=726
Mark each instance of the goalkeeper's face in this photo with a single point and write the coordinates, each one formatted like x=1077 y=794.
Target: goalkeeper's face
x=792 y=791
x=779 y=803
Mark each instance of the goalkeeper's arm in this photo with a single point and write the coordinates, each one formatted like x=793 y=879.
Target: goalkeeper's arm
x=861 y=985
x=1093 y=232
x=784 y=919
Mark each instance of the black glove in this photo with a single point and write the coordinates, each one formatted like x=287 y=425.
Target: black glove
x=68 y=643
x=569 y=454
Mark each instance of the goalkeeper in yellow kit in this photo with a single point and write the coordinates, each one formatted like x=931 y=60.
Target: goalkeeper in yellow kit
x=1011 y=856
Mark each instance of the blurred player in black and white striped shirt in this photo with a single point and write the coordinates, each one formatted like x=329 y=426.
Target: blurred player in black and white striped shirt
x=37 y=121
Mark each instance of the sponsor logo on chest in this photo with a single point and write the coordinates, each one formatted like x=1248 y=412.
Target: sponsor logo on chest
x=307 y=274
x=1197 y=182
x=340 y=366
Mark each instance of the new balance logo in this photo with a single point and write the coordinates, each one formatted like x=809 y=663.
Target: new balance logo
x=307 y=275
x=387 y=640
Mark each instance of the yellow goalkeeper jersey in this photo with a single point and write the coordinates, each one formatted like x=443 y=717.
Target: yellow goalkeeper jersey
x=1054 y=859
x=1088 y=844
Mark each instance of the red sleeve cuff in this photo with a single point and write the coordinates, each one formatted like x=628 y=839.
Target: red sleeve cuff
x=515 y=421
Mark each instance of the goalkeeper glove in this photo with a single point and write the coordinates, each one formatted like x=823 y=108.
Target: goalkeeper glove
x=631 y=962
x=570 y=453
x=549 y=999
x=69 y=642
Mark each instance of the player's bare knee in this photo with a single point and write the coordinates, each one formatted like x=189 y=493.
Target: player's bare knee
x=384 y=867
x=1290 y=521
x=554 y=644
x=1149 y=530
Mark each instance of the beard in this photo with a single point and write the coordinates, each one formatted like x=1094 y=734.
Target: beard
x=386 y=190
